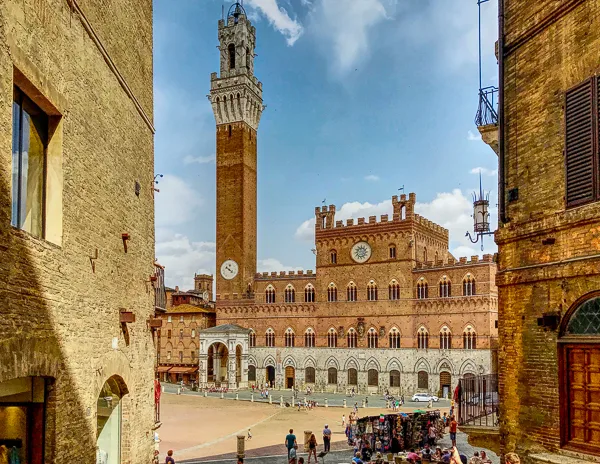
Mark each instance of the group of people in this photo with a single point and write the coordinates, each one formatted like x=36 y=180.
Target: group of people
x=291 y=444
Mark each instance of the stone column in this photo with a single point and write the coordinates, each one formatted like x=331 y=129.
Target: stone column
x=203 y=369
x=217 y=368
x=232 y=372
x=244 y=378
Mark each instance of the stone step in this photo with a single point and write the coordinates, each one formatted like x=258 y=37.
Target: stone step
x=565 y=457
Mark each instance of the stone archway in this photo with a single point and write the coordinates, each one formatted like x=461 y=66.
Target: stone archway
x=218 y=357
x=109 y=410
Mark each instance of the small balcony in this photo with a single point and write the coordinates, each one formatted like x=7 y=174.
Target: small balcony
x=486 y=118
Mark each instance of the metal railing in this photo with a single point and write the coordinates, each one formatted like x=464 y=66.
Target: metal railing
x=486 y=111
x=478 y=400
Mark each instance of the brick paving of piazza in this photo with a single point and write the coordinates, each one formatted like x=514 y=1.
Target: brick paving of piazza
x=201 y=429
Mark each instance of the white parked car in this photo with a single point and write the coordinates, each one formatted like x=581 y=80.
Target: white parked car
x=424 y=397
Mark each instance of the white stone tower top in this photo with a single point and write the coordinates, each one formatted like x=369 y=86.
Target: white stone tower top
x=236 y=95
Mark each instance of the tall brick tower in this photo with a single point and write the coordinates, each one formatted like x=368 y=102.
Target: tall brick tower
x=236 y=98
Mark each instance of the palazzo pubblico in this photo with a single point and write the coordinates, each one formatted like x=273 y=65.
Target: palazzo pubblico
x=388 y=306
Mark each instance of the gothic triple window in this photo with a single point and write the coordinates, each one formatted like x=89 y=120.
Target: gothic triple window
x=331 y=292
x=445 y=338
x=290 y=338
x=309 y=338
x=372 y=291
x=270 y=338
x=309 y=294
x=252 y=339
x=372 y=338
x=422 y=290
x=445 y=288
x=469 y=285
x=332 y=338
x=270 y=294
x=422 y=339
x=351 y=292
x=290 y=294
x=469 y=338
x=352 y=338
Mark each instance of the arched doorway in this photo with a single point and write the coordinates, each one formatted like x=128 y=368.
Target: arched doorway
x=108 y=411
x=218 y=356
x=579 y=376
x=352 y=376
x=251 y=373
x=445 y=383
x=290 y=374
x=270 y=375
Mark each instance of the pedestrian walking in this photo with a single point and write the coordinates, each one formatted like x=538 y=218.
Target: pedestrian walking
x=326 y=438
x=290 y=441
x=312 y=448
x=453 y=427
x=343 y=420
x=249 y=435
x=292 y=458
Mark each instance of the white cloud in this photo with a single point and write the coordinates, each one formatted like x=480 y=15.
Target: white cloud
x=451 y=210
x=346 y=27
x=176 y=202
x=484 y=171
x=372 y=178
x=472 y=137
x=183 y=257
x=189 y=159
x=279 y=19
x=273 y=265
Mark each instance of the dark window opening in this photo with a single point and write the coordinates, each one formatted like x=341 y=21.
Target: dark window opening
x=231 y=56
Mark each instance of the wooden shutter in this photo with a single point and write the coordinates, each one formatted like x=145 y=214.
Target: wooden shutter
x=580 y=144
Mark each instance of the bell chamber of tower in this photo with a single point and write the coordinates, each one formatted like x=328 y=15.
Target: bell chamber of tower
x=236 y=99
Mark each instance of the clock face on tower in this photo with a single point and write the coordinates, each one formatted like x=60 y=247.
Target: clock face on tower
x=361 y=252
x=229 y=269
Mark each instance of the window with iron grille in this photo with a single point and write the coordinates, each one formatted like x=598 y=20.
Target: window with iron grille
x=582 y=157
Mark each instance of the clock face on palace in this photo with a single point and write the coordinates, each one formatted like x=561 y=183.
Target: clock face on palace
x=361 y=252
x=229 y=269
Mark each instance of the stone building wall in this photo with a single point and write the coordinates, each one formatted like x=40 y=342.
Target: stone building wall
x=60 y=309
x=548 y=253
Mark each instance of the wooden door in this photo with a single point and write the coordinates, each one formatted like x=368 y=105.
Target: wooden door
x=582 y=428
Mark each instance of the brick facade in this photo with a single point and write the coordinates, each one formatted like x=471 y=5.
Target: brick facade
x=61 y=295
x=548 y=253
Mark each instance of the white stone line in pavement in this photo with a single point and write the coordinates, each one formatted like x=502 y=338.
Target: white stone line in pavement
x=246 y=459
x=231 y=435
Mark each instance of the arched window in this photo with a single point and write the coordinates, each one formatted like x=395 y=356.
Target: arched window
x=425 y=254
x=372 y=338
x=445 y=288
x=403 y=212
x=445 y=339
x=270 y=294
x=422 y=290
x=394 y=290
x=290 y=294
x=309 y=338
x=394 y=338
x=436 y=257
x=331 y=292
x=332 y=376
x=270 y=338
x=252 y=339
x=333 y=257
x=372 y=291
x=423 y=380
x=290 y=338
x=231 y=56
x=332 y=338
x=309 y=375
x=422 y=339
x=351 y=292
x=469 y=338
x=392 y=251
x=469 y=285
x=309 y=294
x=352 y=338
x=373 y=377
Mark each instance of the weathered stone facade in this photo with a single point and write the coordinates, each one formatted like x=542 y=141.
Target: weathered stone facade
x=409 y=307
x=88 y=66
x=549 y=252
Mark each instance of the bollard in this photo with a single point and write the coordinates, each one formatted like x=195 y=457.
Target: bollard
x=241 y=443
x=307 y=434
x=162 y=388
x=178 y=391
x=270 y=399
x=222 y=396
x=344 y=402
x=252 y=397
x=292 y=401
x=281 y=401
x=237 y=396
x=326 y=403
x=363 y=403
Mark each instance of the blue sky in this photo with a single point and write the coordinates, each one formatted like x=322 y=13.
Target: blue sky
x=363 y=97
